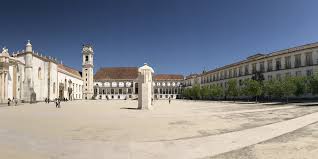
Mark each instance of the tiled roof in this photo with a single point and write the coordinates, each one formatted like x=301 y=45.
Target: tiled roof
x=168 y=77
x=70 y=70
x=111 y=73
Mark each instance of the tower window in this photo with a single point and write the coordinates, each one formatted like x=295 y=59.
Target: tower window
x=86 y=58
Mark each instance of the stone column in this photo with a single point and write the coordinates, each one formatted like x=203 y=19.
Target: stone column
x=1 y=88
x=145 y=87
x=5 y=86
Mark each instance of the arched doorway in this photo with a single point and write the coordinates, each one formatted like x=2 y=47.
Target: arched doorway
x=61 y=90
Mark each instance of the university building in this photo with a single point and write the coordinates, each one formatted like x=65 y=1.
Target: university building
x=30 y=76
x=296 y=61
x=122 y=83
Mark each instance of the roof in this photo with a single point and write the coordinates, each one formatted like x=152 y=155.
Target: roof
x=111 y=73
x=168 y=77
x=262 y=56
x=70 y=70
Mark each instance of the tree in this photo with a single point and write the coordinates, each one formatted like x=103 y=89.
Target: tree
x=204 y=92
x=288 y=87
x=268 y=88
x=232 y=89
x=313 y=84
x=301 y=85
x=195 y=92
x=252 y=88
x=216 y=91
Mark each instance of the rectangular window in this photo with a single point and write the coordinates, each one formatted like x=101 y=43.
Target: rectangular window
x=235 y=72
x=261 y=67
x=287 y=62
x=269 y=65
x=231 y=73
x=246 y=70
x=278 y=64
x=254 y=68
x=309 y=72
x=240 y=71
x=86 y=58
x=309 y=61
x=297 y=60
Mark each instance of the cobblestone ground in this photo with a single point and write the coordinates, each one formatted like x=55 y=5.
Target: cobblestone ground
x=101 y=129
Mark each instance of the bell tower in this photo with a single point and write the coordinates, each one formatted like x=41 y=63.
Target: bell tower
x=87 y=71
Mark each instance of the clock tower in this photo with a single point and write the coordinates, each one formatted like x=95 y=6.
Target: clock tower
x=87 y=71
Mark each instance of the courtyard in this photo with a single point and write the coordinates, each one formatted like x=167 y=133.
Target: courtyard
x=182 y=129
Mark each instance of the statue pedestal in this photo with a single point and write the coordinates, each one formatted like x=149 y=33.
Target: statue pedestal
x=145 y=96
x=145 y=87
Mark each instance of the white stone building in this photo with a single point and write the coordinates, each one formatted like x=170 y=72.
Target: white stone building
x=296 y=61
x=121 y=83
x=30 y=76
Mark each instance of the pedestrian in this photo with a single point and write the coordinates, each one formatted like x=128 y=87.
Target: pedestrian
x=9 y=101
x=59 y=104
x=56 y=102
x=16 y=102
x=169 y=100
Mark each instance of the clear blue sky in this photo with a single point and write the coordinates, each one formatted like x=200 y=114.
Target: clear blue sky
x=174 y=36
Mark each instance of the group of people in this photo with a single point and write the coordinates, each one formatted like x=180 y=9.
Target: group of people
x=57 y=102
x=14 y=100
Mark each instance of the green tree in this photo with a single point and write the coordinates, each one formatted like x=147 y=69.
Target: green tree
x=196 y=92
x=288 y=87
x=268 y=89
x=232 y=89
x=216 y=91
x=252 y=88
x=301 y=85
x=204 y=92
x=313 y=84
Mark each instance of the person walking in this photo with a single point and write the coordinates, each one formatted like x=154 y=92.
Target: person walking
x=9 y=101
x=169 y=100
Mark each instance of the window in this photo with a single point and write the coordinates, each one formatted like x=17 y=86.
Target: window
x=86 y=58
x=261 y=67
x=309 y=61
x=246 y=69
x=235 y=72
x=240 y=71
x=254 y=68
x=309 y=72
x=278 y=64
x=269 y=65
x=297 y=60
x=287 y=62
x=39 y=73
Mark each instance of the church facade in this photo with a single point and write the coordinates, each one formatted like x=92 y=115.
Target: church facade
x=30 y=76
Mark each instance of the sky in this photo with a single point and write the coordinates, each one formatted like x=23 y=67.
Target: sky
x=172 y=36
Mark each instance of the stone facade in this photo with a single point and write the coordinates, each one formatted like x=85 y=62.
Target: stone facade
x=297 y=61
x=29 y=76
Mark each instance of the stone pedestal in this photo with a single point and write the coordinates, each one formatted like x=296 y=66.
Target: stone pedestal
x=145 y=87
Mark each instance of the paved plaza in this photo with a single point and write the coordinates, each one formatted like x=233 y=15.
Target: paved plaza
x=182 y=129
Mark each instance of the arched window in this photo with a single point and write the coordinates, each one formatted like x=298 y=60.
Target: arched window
x=39 y=73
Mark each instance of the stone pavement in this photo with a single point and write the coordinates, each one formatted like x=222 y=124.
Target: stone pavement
x=217 y=144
